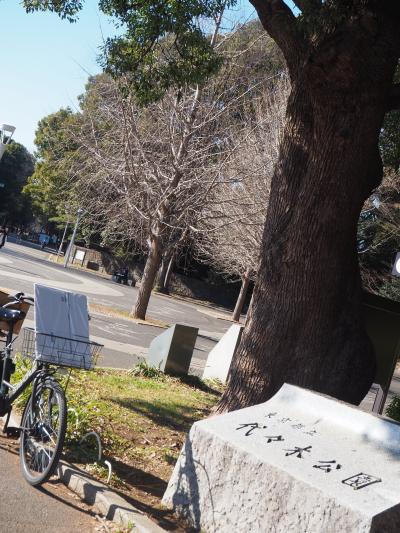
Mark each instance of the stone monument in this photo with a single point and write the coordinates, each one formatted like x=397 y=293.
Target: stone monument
x=220 y=358
x=172 y=351
x=301 y=462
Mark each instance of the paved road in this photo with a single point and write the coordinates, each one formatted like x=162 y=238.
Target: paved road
x=52 y=509
x=21 y=267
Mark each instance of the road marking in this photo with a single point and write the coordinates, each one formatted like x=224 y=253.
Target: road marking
x=127 y=349
x=215 y=314
x=86 y=286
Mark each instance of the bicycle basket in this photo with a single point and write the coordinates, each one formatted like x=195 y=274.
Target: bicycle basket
x=60 y=351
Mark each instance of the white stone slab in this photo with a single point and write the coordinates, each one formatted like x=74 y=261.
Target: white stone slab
x=301 y=462
x=220 y=358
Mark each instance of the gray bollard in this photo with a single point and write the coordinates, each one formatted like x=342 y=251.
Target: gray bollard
x=172 y=351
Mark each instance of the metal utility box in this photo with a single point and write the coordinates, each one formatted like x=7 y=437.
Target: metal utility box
x=382 y=322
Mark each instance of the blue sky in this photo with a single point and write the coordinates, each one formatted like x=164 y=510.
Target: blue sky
x=45 y=61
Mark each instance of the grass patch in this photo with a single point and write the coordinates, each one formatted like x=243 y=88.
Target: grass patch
x=142 y=422
x=132 y=411
x=144 y=370
x=393 y=409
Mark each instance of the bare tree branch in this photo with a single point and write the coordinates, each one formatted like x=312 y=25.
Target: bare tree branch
x=233 y=218
x=281 y=24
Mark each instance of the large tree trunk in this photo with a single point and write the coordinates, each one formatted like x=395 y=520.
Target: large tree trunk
x=304 y=326
x=242 y=295
x=147 y=281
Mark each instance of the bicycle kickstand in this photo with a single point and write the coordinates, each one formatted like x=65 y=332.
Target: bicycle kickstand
x=10 y=431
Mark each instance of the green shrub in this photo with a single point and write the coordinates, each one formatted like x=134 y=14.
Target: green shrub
x=144 y=370
x=23 y=366
x=393 y=409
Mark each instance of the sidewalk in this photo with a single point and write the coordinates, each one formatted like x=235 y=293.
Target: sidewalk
x=79 y=508
x=49 y=510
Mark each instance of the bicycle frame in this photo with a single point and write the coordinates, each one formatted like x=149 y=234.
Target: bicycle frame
x=7 y=399
x=44 y=421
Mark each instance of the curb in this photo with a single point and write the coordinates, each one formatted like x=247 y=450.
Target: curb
x=112 y=506
x=109 y=504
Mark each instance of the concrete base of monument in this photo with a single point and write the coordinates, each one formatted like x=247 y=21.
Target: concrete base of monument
x=301 y=462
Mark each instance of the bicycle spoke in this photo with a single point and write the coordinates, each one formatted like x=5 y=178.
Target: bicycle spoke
x=48 y=434
x=43 y=432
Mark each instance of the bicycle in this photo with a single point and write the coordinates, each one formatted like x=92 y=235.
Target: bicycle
x=44 y=419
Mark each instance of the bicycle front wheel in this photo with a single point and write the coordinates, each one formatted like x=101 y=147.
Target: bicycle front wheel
x=43 y=427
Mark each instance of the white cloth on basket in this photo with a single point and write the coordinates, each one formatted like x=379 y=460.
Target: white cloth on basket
x=62 y=327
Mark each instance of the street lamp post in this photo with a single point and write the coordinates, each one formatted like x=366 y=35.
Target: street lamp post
x=62 y=240
x=6 y=132
x=79 y=214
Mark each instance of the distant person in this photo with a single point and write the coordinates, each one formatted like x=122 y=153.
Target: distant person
x=121 y=276
x=124 y=275
x=43 y=240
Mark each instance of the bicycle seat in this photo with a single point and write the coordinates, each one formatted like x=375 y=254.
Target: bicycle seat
x=11 y=315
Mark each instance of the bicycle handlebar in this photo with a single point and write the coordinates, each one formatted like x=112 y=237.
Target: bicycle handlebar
x=19 y=297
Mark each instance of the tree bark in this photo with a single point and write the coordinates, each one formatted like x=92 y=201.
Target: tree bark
x=147 y=282
x=242 y=296
x=304 y=326
x=169 y=273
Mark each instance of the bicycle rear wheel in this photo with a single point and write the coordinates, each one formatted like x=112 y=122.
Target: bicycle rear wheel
x=43 y=427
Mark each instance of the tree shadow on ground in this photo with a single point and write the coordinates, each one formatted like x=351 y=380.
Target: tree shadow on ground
x=142 y=480
x=8 y=448
x=173 y=416
x=136 y=478
x=197 y=383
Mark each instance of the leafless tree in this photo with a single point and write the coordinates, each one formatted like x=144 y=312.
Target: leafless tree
x=143 y=173
x=379 y=231
x=234 y=219
x=147 y=174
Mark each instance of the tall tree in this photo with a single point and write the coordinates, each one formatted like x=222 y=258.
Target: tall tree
x=15 y=168
x=235 y=216
x=379 y=235
x=305 y=324
x=155 y=167
x=46 y=186
x=379 y=225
